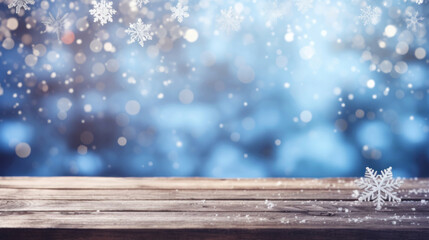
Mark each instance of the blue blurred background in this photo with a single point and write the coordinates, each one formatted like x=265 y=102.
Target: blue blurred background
x=292 y=93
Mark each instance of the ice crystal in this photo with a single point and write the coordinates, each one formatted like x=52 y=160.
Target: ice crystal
x=55 y=24
x=18 y=4
x=179 y=12
x=413 y=20
x=139 y=32
x=229 y=20
x=303 y=5
x=379 y=188
x=141 y=2
x=102 y=11
x=369 y=15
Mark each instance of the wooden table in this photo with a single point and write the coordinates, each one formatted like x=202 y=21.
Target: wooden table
x=201 y=208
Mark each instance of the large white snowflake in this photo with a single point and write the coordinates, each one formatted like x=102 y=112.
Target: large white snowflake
x=379 y=188
x=229 y=20
x=139 y=32
x=55 y=24
x=141 y=2
x=102 y=11
x=369 y=15
x=179 y=12
x=413 y=20
x=18 y=4
x=303 y=5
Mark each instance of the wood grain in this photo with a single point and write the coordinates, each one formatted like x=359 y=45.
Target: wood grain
x=201 y=208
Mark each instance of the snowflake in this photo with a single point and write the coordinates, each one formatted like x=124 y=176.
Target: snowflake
x=18 y=4
x=102 y=11
x=141 y=2
x=419 y=1
x=369 y=15
x=229 y=20
x=303 y=5
x=179 y=12
x=413 y=20
x=139 y=32
x=55 y=24
x=378 y=188
x=275 y=11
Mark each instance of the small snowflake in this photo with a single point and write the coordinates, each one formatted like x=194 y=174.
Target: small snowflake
x=55 y=24
x=413 y=20
x=139 y=32
x=369 y=15
x=102 y=11
x=179 y=12
x=18 y=4
x=141 y=2
x=379 y=188
x=229 y=20
x=419 y=1
x=303 y=5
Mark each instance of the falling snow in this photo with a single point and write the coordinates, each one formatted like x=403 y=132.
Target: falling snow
x=18 y=4
x=246 y=86
x=140 y=3
x=139 y=32
x=304 y=5
x=55 y=24
x=413 y=21
x=369 y=15
x=179 y=12
x=274 y=11
x=102 y=11
x=379 y=188
x=229 y=20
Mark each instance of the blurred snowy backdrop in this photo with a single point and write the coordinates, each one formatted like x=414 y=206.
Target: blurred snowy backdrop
x=219 y=88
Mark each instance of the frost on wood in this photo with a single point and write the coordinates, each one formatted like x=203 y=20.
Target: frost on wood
x=18 y=4
x=369 y=15
x=179 y=12
x=55 y=24
x=229 y=20
x=379 y=188
x=139 y=32
x=102 y=11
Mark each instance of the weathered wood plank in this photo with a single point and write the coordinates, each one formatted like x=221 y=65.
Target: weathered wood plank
x=201 y=208
x=331 y=207
x=189 y=183
x=137 y=194
x=213 y=220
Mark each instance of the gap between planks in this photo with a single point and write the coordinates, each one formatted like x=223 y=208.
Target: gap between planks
x=188 y=183
x=205 y=206
x=213 y=220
